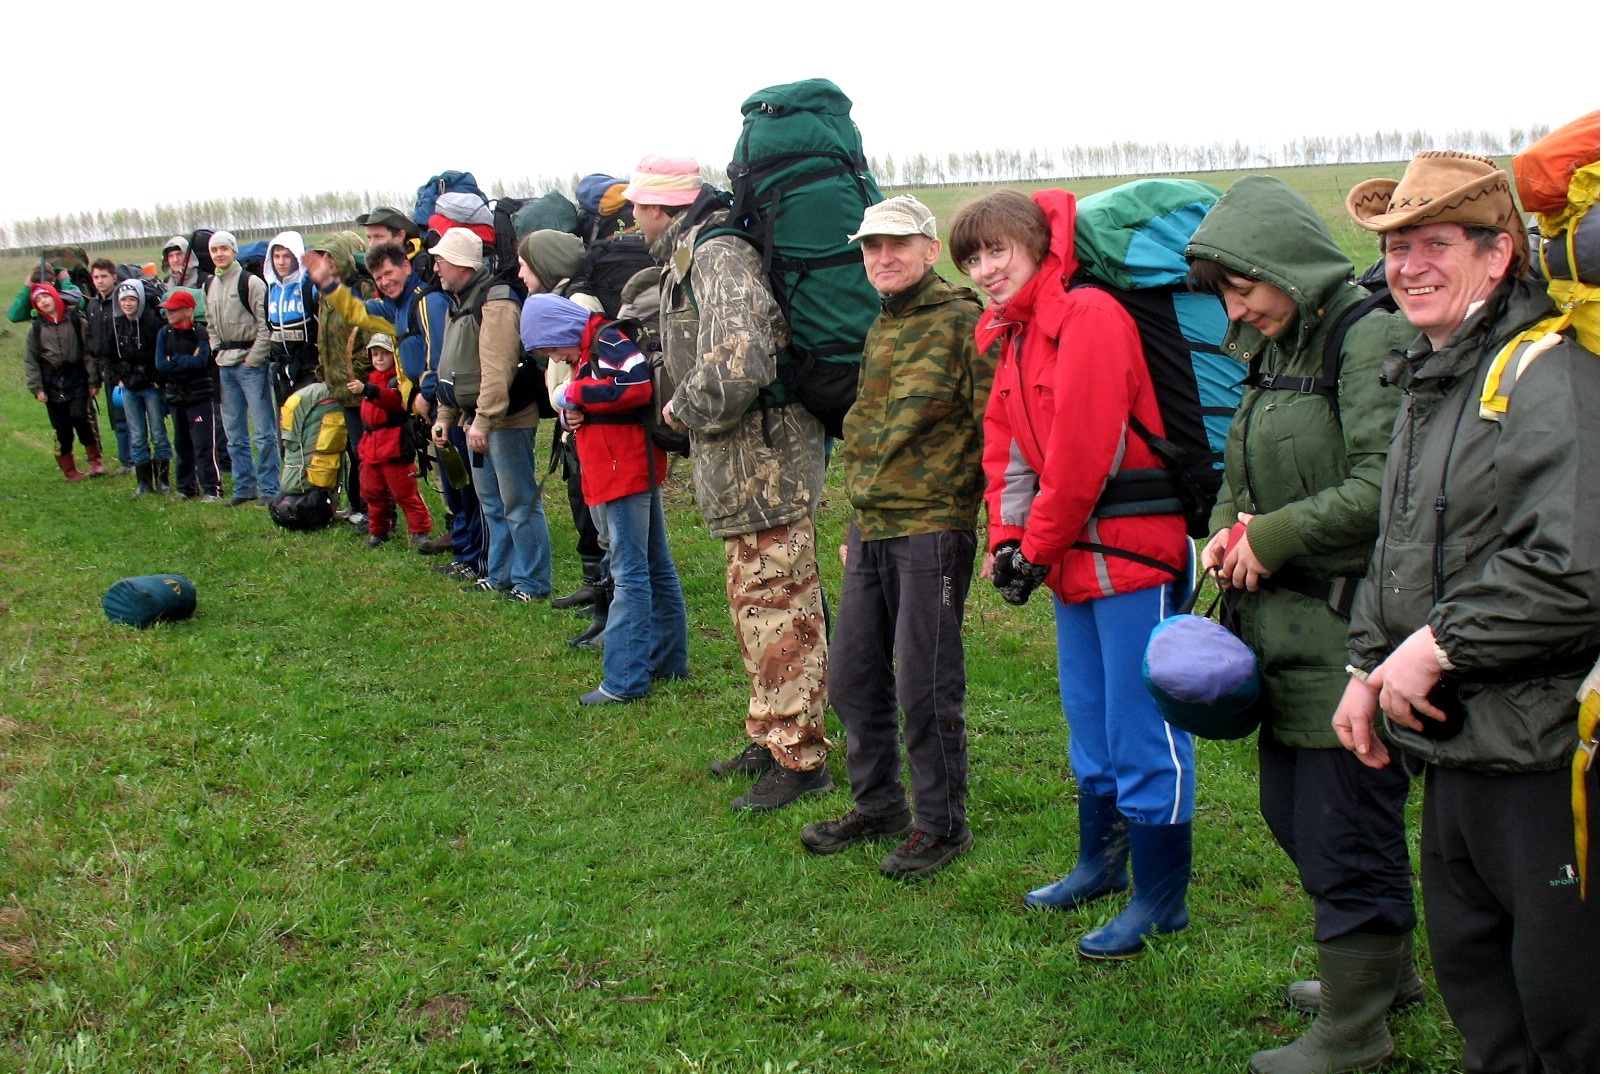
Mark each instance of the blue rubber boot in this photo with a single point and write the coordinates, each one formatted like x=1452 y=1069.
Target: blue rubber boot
x=1104 y=843
x=1161 y=865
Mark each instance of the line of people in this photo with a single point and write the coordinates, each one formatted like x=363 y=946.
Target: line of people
x=1464 y=633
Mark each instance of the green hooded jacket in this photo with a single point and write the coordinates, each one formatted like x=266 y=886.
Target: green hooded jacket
x=1311 y=480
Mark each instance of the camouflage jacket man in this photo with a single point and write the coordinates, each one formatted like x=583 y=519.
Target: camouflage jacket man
x=753 y=468
x=912 y=448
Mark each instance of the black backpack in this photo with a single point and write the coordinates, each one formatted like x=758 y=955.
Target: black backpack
x=608 y=265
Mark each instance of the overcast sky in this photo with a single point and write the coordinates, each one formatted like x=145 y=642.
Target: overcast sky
x=286 y=99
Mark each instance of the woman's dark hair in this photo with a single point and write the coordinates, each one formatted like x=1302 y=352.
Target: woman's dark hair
x=1006 y=217
x=1208 y=277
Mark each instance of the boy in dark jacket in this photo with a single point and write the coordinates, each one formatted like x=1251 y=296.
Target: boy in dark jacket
x=133 y=366
x=65 y=377
x=184 y=362
x=388 y=476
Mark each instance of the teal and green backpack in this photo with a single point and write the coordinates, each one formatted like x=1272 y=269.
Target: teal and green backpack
x=800 y=184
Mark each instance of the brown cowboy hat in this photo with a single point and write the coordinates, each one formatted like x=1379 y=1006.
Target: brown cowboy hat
x=1440 y=187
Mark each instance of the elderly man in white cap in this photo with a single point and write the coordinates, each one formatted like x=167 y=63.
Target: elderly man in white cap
x=240 y=338
x=911 y=464
x=475 y=387
x=1478 y=619
x=758 y=472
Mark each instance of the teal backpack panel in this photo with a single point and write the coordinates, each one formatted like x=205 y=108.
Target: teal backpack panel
x=1135 y=235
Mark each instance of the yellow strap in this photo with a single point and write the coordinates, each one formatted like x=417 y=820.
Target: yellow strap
x=1521 y=350
x=1581 y=761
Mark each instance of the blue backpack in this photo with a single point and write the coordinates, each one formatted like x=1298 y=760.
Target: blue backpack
x=1131 y=242
x=446 y=182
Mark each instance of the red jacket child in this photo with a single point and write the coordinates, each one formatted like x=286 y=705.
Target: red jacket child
x=388 y=477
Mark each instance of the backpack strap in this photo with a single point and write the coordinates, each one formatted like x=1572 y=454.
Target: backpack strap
x=1330 y=355
x=1513 y=358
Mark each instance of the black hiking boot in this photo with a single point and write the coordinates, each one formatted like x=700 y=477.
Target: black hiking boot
x=924 y=854
x=829 y=836
x=752 y=761
x=779 y=787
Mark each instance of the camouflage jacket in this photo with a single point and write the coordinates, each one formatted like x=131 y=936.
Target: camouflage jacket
x=753 y=468
x=342 y=346
x=912 y=450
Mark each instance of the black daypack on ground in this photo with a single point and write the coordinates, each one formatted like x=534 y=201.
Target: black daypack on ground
x=800 y=184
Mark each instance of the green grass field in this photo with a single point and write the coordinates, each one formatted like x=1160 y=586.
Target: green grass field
x=350 y=819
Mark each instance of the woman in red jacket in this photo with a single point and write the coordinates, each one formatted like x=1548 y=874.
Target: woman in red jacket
x=620 y=470
x=1058 y=426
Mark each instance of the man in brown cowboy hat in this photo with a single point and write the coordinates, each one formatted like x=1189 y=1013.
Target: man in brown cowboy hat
x=1479 y=616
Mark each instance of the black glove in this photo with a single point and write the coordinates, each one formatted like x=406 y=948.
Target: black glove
x=1016 y=577
x=1003 y=574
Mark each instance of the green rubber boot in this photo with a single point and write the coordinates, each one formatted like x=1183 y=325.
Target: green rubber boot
x=1358 y=980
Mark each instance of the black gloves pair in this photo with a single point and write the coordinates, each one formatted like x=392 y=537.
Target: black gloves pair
x=1015 y=577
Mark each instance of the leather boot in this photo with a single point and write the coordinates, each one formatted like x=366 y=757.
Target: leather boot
x=96 y=466
x=161 y=473
x=585 y=595
x=1161 y=869
x=1305 y=995
x=142 y=470
x=69 y=467
x=591 y=636
x=1104 y=846
x=1358 y=980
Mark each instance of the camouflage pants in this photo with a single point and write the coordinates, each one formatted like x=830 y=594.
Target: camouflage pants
x=775 y=601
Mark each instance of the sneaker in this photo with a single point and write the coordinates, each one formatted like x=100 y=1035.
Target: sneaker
x=241 y=501
x=483 y=585
x=376 y=539
x=516 y=594
x=779 y=787
x=208 y=498
x=923 y=854
x=357 y=519
x=752 y=761
x=599 y=696
x=829 y=836
x=453 y=569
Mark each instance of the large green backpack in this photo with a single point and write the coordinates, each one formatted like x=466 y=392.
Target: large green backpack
x=800 y=184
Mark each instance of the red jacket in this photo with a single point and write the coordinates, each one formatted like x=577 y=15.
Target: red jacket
x=611 y=387
x=383 y=412
x=1076 y=354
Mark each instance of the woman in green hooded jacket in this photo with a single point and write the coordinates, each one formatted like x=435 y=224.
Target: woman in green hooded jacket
x=1293 y=529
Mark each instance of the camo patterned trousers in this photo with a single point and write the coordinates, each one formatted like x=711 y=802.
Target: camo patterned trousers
x=778 y=610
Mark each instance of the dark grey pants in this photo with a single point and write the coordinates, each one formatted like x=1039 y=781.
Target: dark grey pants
x=1342 y=824
x=898 y=640
x=1514 y=946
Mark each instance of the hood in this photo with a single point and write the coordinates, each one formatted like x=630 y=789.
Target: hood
x=1262 y=229
x=61 y=303
x=191 y=276
x=291 y=241
x=343 y=246
x=135 y=288
x=553 y=255
x=1057 y=266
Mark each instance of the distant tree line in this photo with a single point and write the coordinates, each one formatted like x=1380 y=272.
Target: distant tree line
x=1142 y=158
x=311 y=211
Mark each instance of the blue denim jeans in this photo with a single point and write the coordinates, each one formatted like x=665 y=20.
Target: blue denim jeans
x=146 y=412
x=250 y=417
x=119 y=430
x=646 y=632
x=467 y=521
x=515 y=519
